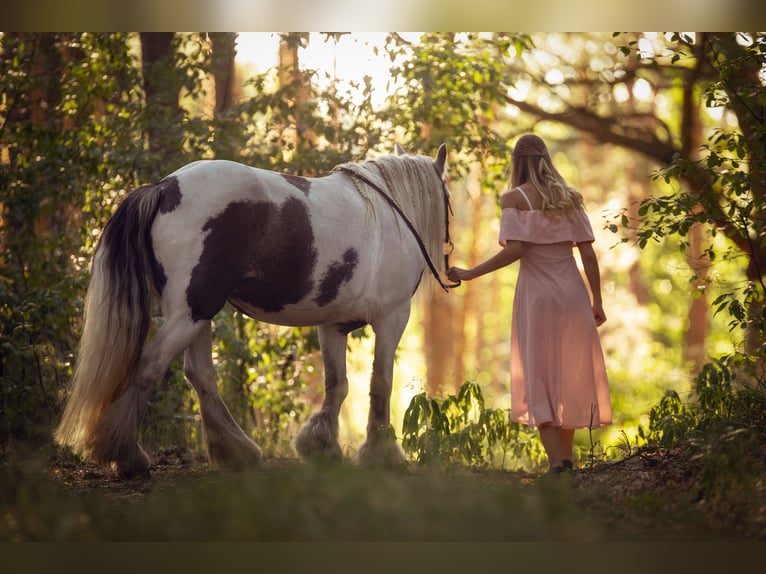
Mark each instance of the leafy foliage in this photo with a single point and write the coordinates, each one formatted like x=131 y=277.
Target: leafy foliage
x=724 y=422
x=460 y=429
x=76 y=133
x=723 y=189
x=62 y=139
x=450 y=91
x=724 y=425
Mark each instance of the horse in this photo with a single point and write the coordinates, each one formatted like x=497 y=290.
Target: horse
x=339 y=252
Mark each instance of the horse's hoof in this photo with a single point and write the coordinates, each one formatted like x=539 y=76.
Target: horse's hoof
x=328 y=453
x=135 y=467
x=128 y=474
x=317 y=440
x=238 y=456
x=382 y=450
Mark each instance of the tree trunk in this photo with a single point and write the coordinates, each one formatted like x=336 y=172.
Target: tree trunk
x=472 y=290
x=227 y=132
x=295 y=133
x=695 y=337
x=28 y=223
x=161 y=89
x=635 y=195
x=224 y=73
x=437 y=340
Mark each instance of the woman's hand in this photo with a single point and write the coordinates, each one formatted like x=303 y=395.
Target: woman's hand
x=459 y=274
x=511 y=251
x=598 y=314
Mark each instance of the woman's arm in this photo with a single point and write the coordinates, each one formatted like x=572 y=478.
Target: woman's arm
x=511 y=251
x=593 y=274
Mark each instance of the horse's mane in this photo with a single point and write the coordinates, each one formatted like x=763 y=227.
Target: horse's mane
x=412 y=182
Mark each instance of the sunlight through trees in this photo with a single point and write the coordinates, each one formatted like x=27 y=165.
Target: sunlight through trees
x=660 y=132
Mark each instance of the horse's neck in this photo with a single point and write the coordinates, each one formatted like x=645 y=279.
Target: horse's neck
x=366 y=173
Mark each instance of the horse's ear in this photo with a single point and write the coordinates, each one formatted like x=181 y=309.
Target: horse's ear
x=398 y=149
x=441 y=158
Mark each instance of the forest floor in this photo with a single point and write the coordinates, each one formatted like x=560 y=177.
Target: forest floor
x=651 y=495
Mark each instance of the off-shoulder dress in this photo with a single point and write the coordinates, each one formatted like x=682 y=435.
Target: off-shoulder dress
x=558 y=374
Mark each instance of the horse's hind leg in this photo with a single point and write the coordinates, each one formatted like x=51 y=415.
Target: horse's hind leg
x=117 y=436
x=226 y=443
x=381 y=446
x=319 y=436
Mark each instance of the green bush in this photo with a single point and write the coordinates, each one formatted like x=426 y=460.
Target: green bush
x=460 y=429
x=723 y=425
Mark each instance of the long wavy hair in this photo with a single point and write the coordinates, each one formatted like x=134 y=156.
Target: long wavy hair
x=532 y=163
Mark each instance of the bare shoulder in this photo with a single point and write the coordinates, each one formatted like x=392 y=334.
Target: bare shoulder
x=509 y=198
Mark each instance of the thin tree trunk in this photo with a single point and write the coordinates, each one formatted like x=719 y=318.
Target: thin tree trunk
x=438 y=340
x=224 y=73
x=290 y=78
x=227 y=132
x=695 y=337
x=161 y=90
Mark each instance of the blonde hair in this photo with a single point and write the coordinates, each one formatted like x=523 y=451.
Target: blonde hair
x=532 y=163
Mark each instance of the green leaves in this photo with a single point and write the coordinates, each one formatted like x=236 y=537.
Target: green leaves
x=722 y=424
x=459 y=429
x=450 y=90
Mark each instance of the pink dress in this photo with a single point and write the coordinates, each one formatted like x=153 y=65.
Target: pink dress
x=558 y=374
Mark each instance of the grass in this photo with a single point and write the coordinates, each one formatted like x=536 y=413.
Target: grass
x=287 y=502
x=47 y=497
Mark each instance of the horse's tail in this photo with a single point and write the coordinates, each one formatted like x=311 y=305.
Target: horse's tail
x=117 y=318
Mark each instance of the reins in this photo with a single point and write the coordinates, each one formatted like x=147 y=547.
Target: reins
x=397 y=209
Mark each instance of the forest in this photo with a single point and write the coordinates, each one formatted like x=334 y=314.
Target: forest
x=662 y=133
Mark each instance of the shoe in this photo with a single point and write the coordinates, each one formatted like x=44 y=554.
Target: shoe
x=555 y=471
x=568 y=465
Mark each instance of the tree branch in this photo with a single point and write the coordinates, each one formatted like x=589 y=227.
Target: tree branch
x=604 y=129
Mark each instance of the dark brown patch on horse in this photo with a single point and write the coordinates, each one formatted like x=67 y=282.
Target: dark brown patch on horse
x=259 y=254
x=296 y=181
x=338 y=273
x=170 y=194
x=348 y=326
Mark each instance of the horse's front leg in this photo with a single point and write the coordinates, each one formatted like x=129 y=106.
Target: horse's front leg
x=227 y=444
x=381 y=447
x=319 y=436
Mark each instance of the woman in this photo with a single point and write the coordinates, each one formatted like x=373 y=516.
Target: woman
x=558 y=377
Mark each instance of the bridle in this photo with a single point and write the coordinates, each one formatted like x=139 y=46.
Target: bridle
x=449 y=247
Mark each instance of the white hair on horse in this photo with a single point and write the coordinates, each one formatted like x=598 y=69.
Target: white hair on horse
x=412 y=183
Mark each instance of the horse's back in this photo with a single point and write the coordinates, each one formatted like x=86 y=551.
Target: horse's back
x=213 y=182
x=282 y=248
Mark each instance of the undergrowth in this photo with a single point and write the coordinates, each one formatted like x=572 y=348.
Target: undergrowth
x=461 y=429
x=723 y=425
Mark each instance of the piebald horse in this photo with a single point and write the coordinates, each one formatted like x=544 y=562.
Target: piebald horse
x=340 y=251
